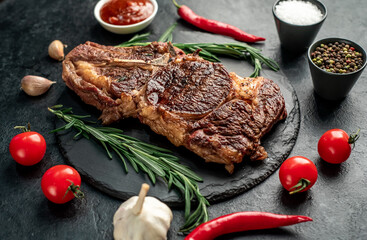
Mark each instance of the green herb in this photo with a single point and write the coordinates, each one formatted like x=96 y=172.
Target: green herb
x=209 y=51
x=121 y=79
x=153 y=160
x=167 y=35
x=135 y=39
x=257 y=69
x=234 y=50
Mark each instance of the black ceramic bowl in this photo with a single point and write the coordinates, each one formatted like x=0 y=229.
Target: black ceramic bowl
x=334 y=86
x=297 y=38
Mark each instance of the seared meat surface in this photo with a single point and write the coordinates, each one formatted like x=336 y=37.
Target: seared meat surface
x=195 y=103
x=192 y=88
x=109 y=77
x=234 y=129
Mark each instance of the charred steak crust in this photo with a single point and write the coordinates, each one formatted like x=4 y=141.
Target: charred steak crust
x=110 y=77
x=237 y=126
x=191 y=88
x=195 y=103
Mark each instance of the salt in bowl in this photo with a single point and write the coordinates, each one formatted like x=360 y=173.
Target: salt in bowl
x=297 y=37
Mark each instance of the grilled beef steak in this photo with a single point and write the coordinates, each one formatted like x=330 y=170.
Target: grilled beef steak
x=110 y=77
x=195 y=103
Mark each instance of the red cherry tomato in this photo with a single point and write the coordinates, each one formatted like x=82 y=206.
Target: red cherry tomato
x=27 y=148
x=334 y=146
x=297 y=174
x=61 y=183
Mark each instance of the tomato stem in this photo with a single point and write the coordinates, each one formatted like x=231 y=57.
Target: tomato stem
x=75 y=189
x=353 y=138
x=301 y=185
x=24 y=128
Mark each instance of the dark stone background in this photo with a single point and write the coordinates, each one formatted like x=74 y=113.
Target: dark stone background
x=337 y=202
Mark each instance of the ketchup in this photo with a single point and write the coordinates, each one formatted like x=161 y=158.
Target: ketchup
x=126 y=12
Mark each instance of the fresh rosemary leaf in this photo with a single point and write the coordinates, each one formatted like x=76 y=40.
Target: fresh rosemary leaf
x=135 y=39
x=96 y=133
x=193 y=216
x=257 y=68
x=184 y=170
x=58 y=129
x=131 y=160
x=131 y=44
x=78 y=134
x=85 y=135
x=178 y=184
x=200 y=213
x=120 y=156
x=170 y=180
x=159 y=149
x=121 y=79
x=187 y=200
x=170 y=38
x=146 y=150
x=108 y=151
x=57 y=106
x=151 y=175
x=191 y=49
x=148 y=161
x=140 y=37
x=205 y=53
x=126 y=137
x=70 y=124
x=109 y=130
x=167 y=156
x=167 y=35
x=162 y=164
x=67 y=110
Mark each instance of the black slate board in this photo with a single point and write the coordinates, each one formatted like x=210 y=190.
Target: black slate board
x=108 y=176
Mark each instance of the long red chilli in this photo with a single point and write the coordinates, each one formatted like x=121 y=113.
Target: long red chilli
x=243 y=221
x=214 y=26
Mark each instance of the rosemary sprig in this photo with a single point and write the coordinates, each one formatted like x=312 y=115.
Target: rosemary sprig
x=209 y=51
x=234 y=50
x=167 y=35
x=135 y=39
x=153 y=160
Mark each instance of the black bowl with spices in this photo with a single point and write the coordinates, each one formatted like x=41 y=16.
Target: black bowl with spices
x=335 y=65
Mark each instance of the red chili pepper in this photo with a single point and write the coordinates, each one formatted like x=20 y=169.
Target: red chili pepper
x=215 y=26
x=243 y=221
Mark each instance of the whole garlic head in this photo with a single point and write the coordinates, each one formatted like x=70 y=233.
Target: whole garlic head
x=142 y=218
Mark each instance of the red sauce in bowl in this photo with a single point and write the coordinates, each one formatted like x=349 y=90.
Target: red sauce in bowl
x=126 y=12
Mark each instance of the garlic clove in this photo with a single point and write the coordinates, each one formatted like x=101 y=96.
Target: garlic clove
x=56 y=50
x=35 y=85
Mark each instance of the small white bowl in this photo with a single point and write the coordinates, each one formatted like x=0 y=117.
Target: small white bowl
x=124 y=29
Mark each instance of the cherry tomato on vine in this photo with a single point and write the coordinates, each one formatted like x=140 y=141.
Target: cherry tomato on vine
x=61 y=184
x=335 y=145
x=27 y=148
x=297 y=174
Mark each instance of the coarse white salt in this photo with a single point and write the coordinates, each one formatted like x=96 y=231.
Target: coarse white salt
x=298 y=12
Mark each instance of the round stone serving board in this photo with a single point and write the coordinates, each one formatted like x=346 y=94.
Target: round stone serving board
x=90 y=159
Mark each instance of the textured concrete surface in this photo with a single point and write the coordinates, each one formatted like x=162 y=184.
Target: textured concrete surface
x=337 y=202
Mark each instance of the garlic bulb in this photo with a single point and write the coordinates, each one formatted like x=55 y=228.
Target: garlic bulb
x=142 y=218
x=35 y=85
x=56 y=50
